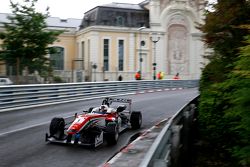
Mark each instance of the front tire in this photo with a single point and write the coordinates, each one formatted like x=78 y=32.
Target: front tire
x=136 y=119
x=112 y=134
x=57 y=128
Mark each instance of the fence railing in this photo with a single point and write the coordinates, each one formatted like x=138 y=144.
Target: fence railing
x=167 y=144
x=26 y=95
x=171 y=148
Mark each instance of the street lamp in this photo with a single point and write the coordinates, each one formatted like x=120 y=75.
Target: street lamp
x=94 y=66
x=140 y=54
x=154 y=38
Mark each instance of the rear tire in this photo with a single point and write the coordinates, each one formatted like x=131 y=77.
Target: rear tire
x=136 y=119
x=56 y=128
x=112 y=134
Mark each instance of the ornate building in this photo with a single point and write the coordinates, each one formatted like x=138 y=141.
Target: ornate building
x=120 y=39
x=158 y=33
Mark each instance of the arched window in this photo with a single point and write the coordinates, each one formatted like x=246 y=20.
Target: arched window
x=57 y=58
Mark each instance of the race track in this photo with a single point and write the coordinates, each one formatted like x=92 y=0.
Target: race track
x=22 y=132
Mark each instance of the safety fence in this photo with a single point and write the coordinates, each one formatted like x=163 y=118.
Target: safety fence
x=13 y=96
x=172 y=146
x=167 y=144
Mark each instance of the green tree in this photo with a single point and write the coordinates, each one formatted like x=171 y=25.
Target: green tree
x=26 y=38
x=223 y=35
x=239 y=113
x=223 y=93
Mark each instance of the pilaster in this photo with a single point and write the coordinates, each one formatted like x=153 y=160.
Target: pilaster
x=131 y=58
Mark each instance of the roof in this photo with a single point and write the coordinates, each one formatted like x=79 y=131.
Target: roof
x=3 y=18
x=123 y=6
x=67 y=23
x=117 y=14
x=51 y=21
x=144 y=2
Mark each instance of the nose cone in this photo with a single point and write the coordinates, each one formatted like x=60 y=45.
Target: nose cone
x=77 y=125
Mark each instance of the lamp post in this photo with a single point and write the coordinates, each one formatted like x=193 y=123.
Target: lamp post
x=154 y=38
x=94 y=66
x=140 y=54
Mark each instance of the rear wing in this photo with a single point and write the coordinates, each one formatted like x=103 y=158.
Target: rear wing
x=108 y=101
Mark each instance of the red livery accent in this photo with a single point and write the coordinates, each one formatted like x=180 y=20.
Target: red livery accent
x=84 y=121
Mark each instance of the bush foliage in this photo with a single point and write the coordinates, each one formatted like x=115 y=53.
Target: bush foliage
x=225 y=83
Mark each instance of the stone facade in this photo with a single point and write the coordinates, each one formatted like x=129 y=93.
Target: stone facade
x=179 y=49
x=182 y=49
x=129 y=31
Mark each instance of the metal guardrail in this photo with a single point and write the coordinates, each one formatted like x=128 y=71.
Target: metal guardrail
x=171 y=147
x=26 y=95
x=166 y=144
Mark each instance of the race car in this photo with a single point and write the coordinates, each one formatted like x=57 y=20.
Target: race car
x=92 y=127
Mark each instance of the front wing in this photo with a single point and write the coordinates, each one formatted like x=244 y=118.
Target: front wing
x=74 y=139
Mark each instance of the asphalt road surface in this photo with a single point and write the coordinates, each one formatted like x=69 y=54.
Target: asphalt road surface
x=22 y=132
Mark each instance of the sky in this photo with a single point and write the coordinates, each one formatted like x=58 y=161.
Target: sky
x=65 y=8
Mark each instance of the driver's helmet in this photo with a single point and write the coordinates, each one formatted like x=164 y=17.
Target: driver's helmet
x=103 y=108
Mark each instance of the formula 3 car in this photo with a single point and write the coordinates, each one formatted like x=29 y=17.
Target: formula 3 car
x=97 y=124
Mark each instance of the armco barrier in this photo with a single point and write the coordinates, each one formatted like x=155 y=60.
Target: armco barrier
x=27 y=95
x=164 y=145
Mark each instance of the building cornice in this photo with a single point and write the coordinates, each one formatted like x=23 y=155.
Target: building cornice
x=111 y=29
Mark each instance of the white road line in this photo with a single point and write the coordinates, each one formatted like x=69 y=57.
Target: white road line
x=31 y=126
x=24 y=128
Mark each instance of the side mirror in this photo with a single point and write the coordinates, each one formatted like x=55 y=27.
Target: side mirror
x=121 y=108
